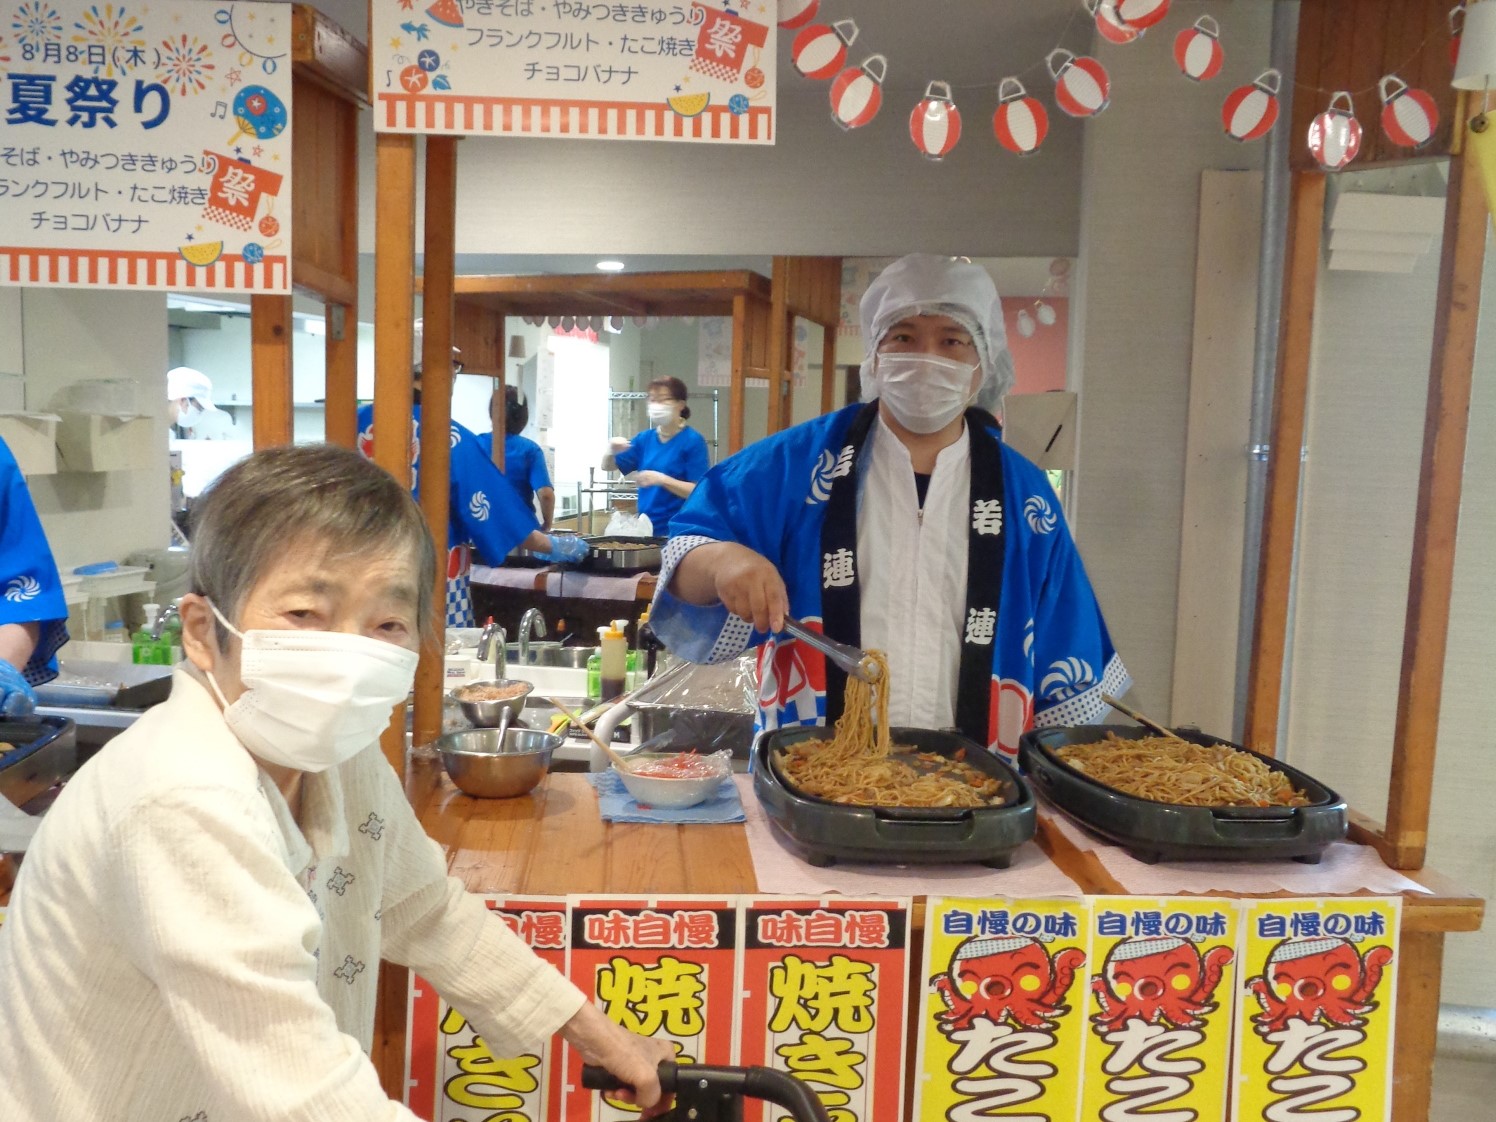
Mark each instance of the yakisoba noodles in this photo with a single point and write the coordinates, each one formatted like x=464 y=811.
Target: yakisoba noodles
x=1169 y=770
x=861 y=766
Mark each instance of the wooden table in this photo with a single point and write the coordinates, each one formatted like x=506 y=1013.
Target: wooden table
x=554 y=842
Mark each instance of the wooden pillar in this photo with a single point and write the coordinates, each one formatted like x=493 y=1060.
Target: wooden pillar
x=739 y=373
x=394 y=329
x=340 y=405
x=779 y=339
x=436 y=407
x=1431 y=581
x=1280 y=517
x=828 y=367
x=270 y=364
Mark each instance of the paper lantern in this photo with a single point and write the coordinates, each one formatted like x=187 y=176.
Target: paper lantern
x=1197 y=50
x=857 y=93
x=1021 y=122
x=1456 y=30
x=1335 y=135
x=1141 y=14
x=1081 y=85
x=1409 y=117
x=797 y=13
x=820 y=52
x=1251 y=111
x=935 y=123
x=1108 y=25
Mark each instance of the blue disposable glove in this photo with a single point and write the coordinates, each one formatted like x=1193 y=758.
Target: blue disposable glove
x=16 y=698
x=567 y=548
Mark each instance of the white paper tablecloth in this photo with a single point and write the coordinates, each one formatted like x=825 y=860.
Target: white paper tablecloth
x=779 y=869
x=1345 y=868
x=593 y=586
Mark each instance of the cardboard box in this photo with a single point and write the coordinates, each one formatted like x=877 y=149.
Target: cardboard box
x=32 y=439
x=101 y=442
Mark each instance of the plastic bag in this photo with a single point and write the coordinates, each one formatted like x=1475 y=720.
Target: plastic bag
x=702 y=709
x=625 y=524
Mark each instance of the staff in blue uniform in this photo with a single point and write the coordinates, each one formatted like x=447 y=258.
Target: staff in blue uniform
x=667 y=459
x=903 y=525
x=33 y=616
x=524 y=460
x=486 y=514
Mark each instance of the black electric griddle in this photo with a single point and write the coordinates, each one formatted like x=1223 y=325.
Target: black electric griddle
x=1155 y=831
x=709 y=1093
x=829 y=831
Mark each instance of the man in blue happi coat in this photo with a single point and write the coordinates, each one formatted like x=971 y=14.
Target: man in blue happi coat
x=903 y=525
x=33 y=616
x=485 y=513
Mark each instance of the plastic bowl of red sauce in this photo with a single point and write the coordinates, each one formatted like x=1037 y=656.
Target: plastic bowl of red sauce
x=672 y=780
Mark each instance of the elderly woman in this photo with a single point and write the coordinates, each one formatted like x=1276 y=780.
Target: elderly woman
x=196 y=931
x=904 y=525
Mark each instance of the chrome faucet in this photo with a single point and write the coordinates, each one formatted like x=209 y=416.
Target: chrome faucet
x=492 y=647
x=531 y=625
x=168 y=613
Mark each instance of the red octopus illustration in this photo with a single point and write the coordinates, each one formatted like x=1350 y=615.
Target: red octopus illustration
x=1321 y=979
x=1158 y=978
x=1012 y=978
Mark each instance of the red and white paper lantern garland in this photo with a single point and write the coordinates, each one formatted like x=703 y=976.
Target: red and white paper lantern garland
x=1081 y=85
x=1141 y=14
x=1410 y=118
x=1250 y=111
x=935 y=123
x=797 y=13
x=857 y=93
x=1335 y=135
x=819 y=51
x=1021 y=122
x=1198 y=52
x=1109 y=25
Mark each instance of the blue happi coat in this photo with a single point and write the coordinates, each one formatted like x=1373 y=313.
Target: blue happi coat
x=1052 y=658
x=30 y=588
x=485 y=513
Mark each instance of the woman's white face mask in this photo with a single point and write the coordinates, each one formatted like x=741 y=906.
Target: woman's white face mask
x=923 y=392
x=313 y=699
x=662 y=412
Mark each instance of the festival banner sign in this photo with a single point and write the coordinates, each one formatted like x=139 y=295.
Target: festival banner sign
x=824 y=996
x=450 y=1075
x=1316 y=1008
x=1160 y=1001
x=145 y=146
x=1002 y=1023
x=659 y=967
x=698 y=70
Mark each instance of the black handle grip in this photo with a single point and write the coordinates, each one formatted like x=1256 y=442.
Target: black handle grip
x=764 y=1083
x=596 y=1078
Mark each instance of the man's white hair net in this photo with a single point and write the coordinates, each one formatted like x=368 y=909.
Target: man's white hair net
x=183 y=381
x=927 y=284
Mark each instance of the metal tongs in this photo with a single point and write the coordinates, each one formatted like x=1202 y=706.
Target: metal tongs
x=851 y=659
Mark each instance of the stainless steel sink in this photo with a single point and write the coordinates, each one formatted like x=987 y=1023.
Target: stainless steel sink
x=551 y=654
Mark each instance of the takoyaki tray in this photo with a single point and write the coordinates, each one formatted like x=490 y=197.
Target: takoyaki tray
x=1155 y=831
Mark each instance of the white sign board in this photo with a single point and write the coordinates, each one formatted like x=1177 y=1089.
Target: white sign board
x=695 y=70
x=146 y=145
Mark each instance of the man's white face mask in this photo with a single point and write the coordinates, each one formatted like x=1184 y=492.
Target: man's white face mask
x=923 y=392
x=189 y=414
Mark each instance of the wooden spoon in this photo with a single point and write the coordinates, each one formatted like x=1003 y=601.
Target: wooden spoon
x=1146 y=722
x=619 y=761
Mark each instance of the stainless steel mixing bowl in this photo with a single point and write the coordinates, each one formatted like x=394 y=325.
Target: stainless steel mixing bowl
x=479 y=765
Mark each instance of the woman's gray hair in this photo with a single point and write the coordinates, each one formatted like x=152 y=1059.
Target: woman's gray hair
x=318 y=495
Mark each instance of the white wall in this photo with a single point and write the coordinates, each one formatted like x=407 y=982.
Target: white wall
x=1132 y=338
x=71 y=335
x=818 y=190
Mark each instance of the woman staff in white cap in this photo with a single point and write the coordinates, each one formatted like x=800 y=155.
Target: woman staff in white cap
x=904 y=525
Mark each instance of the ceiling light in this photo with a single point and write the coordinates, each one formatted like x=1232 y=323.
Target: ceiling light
x=610 y=266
